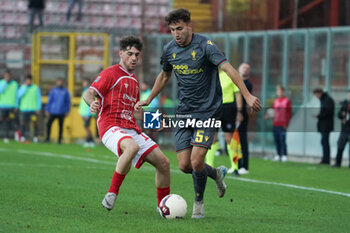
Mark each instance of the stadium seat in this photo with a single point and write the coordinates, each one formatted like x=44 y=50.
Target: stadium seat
x=107 y=9
x=22 y=18
x=135 y=10
x=22 y=6
x=7 y=5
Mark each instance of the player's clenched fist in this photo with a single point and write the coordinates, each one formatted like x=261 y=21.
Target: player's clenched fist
x=94 y=106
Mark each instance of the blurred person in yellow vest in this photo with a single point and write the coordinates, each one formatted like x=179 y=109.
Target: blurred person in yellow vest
x=8 y=103
x=84 y=111
x=29 y=96
x=231 y=117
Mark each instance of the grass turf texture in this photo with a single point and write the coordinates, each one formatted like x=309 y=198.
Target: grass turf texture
x=59 y=188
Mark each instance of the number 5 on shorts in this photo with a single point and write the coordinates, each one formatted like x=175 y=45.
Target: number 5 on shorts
x=199 y=136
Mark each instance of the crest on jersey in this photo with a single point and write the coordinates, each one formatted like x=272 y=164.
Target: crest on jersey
x=193 y=55
x=209 y=42
x=126 y=85
x=174 y=55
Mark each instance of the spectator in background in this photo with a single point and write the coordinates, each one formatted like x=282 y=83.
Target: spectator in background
x=84 y=111
x=70 y=8
x=244 y=71
x=344 y=137
x=58 y=106
x=36 y=7
x=8 y=103
x=29 y=96
x=325 y=122
x=282 y=113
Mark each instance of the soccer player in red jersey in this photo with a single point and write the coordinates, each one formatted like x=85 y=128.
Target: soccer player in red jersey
x=113 y=96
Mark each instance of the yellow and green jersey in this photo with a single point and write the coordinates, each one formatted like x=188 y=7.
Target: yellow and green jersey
x=228 y=88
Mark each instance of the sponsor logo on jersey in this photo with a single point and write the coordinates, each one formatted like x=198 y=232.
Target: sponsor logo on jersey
x=126 y=85
x=174 y=55
x=209 y=42
x=126 y=114
x=127 y=97
x=183 y=69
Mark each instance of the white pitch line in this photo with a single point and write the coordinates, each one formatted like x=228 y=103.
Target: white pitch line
x=290 y=186
x=48 y=154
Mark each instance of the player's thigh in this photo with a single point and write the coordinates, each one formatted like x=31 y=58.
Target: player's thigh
x=157 y=158
x=184 y=160
x=129 y=145
x=183 y=138
x=198 y=157
x=113 y=138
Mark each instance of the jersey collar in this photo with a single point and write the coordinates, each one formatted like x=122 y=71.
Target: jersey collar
x=125 y=70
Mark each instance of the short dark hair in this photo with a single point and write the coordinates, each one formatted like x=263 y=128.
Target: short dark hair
x=179 y=14
x=29 y=76
x=280 y=86
x=318 y=90
x=130 y=41
x=7 y=71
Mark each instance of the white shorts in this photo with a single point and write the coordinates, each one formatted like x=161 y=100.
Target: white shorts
x=112 y=138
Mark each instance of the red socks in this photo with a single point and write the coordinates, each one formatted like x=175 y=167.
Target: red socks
x=162 y=192
x=117 y=181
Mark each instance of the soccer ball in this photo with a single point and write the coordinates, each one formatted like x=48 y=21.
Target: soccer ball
x=173 y=206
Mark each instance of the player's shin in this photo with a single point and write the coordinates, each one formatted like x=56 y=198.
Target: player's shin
x=211 y=171
x=199 y=183
x=117 y=181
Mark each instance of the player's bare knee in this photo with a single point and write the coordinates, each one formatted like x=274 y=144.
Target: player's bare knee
x=185 y=168
x=166 y=163
x=197 y=165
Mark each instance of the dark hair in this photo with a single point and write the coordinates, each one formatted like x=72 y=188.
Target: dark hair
x=318 y=90
x=179 y=14
x=130 y=41
x=29 y=76
x=7 y=71
x=280 y=86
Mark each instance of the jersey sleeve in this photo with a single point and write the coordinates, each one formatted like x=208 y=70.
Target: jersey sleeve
x=166 y=66
x=214 y=55
x=102 y=84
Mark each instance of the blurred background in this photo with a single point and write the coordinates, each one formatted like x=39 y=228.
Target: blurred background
x=302 y=44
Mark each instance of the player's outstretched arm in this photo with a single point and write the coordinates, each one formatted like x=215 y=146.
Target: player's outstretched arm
x=158 y=86
x=251 y=100
x=90 y=99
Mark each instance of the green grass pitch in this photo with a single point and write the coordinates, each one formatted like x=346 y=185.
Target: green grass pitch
x=59 y=188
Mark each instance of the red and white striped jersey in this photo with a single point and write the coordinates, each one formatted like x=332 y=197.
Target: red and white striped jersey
x=118 y=92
